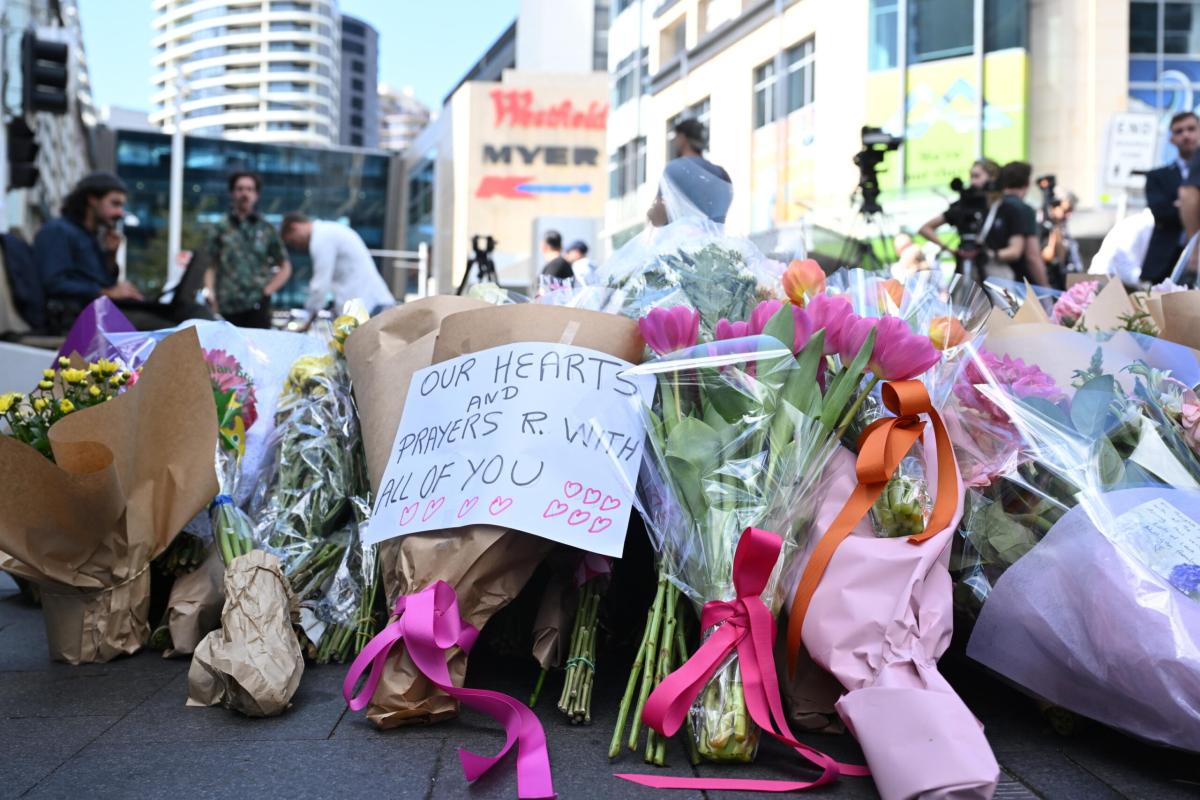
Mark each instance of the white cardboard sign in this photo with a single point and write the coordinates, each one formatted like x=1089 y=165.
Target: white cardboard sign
x=526 y=436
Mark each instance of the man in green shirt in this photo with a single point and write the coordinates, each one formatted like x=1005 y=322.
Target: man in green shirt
x=246 y=260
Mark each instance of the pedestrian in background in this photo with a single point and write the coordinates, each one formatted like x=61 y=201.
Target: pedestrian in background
x=247 y=263
x=556 y=266
x=342 y=265
x=1021 y=220
x=1162 y=198
x=586 y=273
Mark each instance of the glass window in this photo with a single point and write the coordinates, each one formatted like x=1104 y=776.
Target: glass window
x=883 y=35
x=353 y=28
x=940 y=29
x=715 y=13
x=624 y=4
x=356 y=84
x=288 y=66
x=356 y=120
x=764 y=94
x=801 y=61
x=700 y=112
x=1181 y=28
x=300 y=27
x=673 y=41
x=356 y=139
x=1005 y=23
x=356 y=103
x=1143 y=28
x=357 y=67
x=616 y=173
x=354 y=48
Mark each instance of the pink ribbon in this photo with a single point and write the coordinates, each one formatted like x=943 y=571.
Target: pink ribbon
x=430 y=624
x=592 y=565
x=745 y=624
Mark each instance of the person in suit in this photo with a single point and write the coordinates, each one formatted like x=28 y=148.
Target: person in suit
x=1162 y=196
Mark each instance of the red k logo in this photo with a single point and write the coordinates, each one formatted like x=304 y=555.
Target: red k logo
x=504 y=186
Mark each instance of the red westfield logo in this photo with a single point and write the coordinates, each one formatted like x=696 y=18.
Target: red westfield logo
x=515 y=107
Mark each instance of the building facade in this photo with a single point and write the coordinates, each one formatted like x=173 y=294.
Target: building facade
x=347 y=185
x=360 y=76
x=401 y=117
x=517 y=148
x=66 y=143
x=255 y=70
x=785 y=87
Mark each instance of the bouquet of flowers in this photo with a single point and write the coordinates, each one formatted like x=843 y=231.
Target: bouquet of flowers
x=1080 y=545
x=233 y=392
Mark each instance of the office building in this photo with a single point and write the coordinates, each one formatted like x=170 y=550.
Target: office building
x=346 y=185
x=516 y=148
x=66 y=145
x=255 y=70
x=360 y=76
x=401 y=117
x=785 y=87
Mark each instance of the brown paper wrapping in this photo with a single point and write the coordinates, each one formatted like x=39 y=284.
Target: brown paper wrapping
x=253 y=664
x=1181 y=318
x=487 y=566
x=553 y=620
x=194 y=607
x=129 y=474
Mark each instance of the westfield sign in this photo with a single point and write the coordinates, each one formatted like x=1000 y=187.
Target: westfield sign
x=515 y=108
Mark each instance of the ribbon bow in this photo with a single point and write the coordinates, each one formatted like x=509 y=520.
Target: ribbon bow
x=744 y=624
x=882 y=447
x=430 y=624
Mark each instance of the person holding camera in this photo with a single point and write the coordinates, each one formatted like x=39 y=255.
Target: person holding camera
x=963 y=214
x=1060 y=252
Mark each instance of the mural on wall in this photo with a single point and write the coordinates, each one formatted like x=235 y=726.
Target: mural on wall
x=943 y=116
x=783 y=169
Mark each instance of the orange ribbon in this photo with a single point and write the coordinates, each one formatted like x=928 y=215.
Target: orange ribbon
x=882 y=447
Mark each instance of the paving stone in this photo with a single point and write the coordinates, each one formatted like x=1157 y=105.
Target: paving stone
x=61 y=690
x=23 y=644
x=33 y=748
x=165 y=717
x=238 y=770
x=1051 y=774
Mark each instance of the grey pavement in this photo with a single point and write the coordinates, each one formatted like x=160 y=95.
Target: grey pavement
x=122 y=730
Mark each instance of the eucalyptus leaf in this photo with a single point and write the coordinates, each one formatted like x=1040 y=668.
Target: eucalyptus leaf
x=1110 y=463
x=1091 y=407
x=1051 y=411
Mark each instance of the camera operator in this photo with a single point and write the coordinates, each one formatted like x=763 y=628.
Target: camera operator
x=967 y=214
x=1060 y=252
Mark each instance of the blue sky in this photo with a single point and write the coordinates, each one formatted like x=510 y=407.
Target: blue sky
x=426 y=44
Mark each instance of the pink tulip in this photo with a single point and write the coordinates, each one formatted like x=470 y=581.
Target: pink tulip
x=767 y=309
x=669 y=329
x=831 y=314
x=731 y=330
x=898 y=354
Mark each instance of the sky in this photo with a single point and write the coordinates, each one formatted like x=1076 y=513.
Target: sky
x=425 y=44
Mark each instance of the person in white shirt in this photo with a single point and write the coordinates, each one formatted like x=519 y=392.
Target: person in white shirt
x=341 y=264
x=1124 y=249
x=583 y=270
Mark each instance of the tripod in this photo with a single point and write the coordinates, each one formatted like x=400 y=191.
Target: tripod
x=481 y=259
x=875 y=226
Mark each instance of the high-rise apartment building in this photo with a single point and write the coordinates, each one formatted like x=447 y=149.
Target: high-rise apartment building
x=257 y=70
x=360 y=75
x=401 y=117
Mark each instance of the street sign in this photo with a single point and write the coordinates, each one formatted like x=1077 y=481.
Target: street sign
x=1131 y=145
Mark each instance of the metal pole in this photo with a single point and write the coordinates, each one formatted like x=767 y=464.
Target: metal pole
x=980 y=100
x=423 y=270
x=175 y=223
x=4 y=121
x=902 y=64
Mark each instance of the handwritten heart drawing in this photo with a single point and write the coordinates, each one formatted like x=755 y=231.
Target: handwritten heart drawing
x=610 y=503
x=599 y=524
x=572 y=488
x=499 y=505
x=579 y=517
x=467 y=507
x=555 y=509
x=591 y=496
x=432 y=508
x=409 y=511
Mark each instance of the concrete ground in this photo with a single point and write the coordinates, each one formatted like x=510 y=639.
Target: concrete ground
x=121 y=730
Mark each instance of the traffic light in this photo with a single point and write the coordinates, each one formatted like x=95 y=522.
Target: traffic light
x=44 y=74
x=22 y=155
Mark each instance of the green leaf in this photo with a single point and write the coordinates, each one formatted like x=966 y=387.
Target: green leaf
x=806 y=395
x=845 y=384
x=696 y=443
x=1111 y=465
x=1090 y=409
x=686 y=479
x=1050 y=411
x=782 y=326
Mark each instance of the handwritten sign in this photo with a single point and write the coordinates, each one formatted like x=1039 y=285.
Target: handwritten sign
x=1160 y=535
x=543 y=438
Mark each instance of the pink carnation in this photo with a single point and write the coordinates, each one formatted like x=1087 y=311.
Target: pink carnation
x=1012 y=375
x=1075 y=301
x=226 y=375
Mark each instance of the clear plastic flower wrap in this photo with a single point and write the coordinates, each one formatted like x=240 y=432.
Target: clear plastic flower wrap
x=1083 y=541
x=736 y=440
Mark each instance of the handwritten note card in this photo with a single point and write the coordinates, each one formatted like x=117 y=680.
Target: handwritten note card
x=543 y=438
x=1162 y=537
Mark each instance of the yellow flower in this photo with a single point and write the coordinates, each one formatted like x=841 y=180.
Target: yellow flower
x=48 y=374
x=94 y=369
x=94 y=391
x=9 y=400
x=45 y=385
x=63 y=361
x=106 y=366
x=66 y=406
x=74 y=375
x=115 y=380
x=40 y=404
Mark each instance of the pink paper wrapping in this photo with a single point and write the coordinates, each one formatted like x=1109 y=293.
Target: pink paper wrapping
x=879 y=620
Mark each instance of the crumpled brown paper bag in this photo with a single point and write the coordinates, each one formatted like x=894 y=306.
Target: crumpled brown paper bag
x=129 y=474
x=253 y=664
x=194 y=607
x=487 y=566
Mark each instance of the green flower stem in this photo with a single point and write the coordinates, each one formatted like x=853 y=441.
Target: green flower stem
x=848 y=417
x=614 y=747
